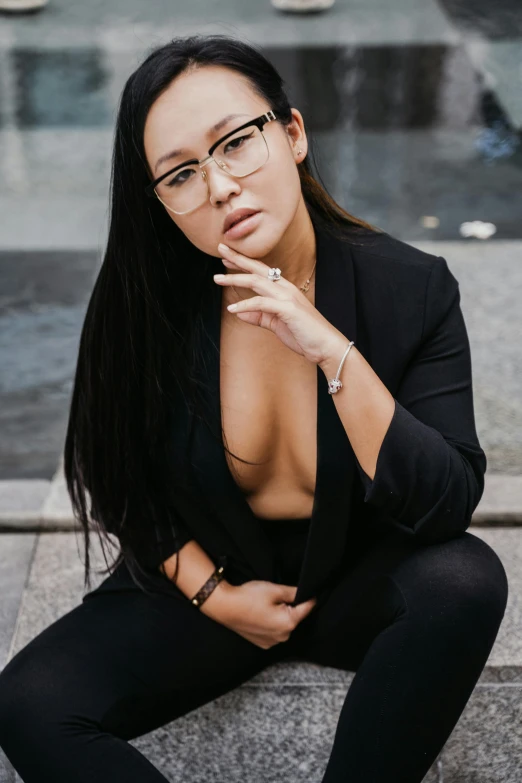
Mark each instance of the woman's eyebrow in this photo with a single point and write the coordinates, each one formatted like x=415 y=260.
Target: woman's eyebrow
x=177 y=153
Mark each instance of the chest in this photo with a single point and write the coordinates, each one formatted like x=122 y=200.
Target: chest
x=269 y=417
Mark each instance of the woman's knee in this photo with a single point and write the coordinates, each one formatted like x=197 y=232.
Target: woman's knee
x=478 y=574
x=35 y=693
x=463 y=576
x=19 y=693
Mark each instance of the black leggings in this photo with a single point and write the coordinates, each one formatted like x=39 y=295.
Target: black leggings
x=416 y=623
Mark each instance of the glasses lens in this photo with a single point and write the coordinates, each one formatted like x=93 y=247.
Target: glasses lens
x=239 y=155
x=243 y=152
x=184 y=189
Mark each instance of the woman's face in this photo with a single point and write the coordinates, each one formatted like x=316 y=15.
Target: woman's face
x=182 y=118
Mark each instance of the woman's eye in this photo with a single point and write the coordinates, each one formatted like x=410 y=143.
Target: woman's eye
x=180 y=178
x=238 y=140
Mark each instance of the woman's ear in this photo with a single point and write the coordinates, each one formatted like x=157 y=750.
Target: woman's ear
x=296 y=132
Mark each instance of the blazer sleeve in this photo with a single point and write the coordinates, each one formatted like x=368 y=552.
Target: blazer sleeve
x=430 y=469
x=153 y=552
x=153 y=547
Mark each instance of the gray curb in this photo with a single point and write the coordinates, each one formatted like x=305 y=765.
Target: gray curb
x=27 y=504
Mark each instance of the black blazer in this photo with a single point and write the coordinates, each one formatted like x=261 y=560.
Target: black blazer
x=401 y=306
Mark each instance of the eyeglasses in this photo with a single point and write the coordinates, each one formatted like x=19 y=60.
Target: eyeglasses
x=182 y=190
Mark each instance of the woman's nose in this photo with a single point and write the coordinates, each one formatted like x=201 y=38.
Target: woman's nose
x=220 y=184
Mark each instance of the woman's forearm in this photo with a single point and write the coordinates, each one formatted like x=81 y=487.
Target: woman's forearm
x=195 y=567
x=365 y=406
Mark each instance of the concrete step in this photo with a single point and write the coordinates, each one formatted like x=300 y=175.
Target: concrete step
x=38 y=504
x=291 y=708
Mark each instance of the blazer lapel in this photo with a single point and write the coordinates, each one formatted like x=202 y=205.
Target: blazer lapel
x=335 y=299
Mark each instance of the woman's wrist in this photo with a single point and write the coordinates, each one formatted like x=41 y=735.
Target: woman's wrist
x=329 y=364
x=218 y=604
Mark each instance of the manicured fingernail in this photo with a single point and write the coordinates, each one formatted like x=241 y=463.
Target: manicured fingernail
x=219 y=277
x=232 y=307
x=221 y=246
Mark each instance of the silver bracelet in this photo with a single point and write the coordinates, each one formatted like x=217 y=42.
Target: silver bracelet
x=335 y=384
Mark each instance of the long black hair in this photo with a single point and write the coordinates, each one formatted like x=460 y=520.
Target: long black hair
x=141 y=325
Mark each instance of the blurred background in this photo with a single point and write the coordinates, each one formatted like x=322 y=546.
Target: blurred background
x=414 y=111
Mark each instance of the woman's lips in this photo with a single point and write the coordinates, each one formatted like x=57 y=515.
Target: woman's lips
x=243 y=227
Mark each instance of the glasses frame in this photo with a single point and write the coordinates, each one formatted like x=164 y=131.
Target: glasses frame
x=259 y=122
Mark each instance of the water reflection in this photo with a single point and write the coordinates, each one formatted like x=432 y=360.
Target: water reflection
x=61 y=89
x=42 y=304
x=400 y=131
x=408 y=137
x=499 y=20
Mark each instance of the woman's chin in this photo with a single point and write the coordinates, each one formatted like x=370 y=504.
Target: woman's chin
x=256 y=245
x=250 y=246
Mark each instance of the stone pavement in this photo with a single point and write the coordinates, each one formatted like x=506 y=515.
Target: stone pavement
x=292 y=708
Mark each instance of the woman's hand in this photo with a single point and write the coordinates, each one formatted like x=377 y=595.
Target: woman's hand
x=282 y=308
x=258 y=611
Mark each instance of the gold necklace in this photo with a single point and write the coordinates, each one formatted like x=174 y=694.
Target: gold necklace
x=304 y=288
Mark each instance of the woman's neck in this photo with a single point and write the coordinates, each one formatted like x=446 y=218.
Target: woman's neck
x=295 y=254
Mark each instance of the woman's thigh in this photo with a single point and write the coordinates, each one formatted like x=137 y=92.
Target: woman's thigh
x=125 y=662
x=457 y=587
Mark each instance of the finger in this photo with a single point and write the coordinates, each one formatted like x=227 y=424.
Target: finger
x=245 y=262
x=286 y=593
x=253 y=281
x=229 y=263
x=300 y=611
x=263 y=304
x=252 y=265
x=235 y=256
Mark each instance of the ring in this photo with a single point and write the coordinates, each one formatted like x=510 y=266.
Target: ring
x=274 y=273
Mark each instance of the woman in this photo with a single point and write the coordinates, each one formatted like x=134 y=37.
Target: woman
x=342 y=381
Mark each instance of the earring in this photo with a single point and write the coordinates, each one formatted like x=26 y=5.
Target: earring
x=299 y=151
